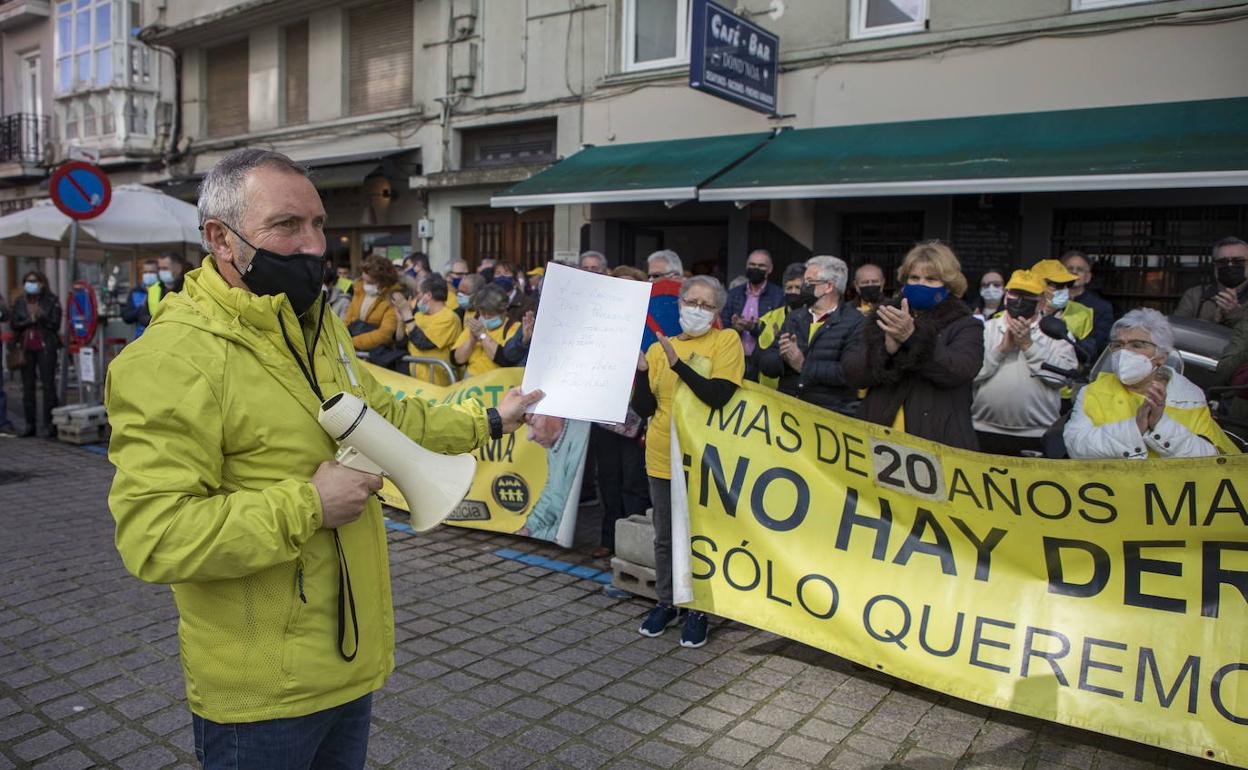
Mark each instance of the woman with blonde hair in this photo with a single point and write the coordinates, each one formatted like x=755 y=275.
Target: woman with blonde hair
x=919 y=355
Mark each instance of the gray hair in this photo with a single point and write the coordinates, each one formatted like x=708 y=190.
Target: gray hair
x=221 y=192
x=1230 y=240
x=1152 y=321
x=764 y=252
x=831 y=269
x=671 y=258
x=471 y=283
x=597 y=254
x=717 y=288
x=796 y=271
x=491 y=299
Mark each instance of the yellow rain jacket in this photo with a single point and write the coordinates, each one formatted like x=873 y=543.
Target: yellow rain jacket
x=771 y=322
x=1102 y=423
x=215 y=439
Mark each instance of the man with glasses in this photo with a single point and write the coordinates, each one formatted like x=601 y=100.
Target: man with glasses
x=807 y=355
x=749 y=302
x=665 y=265
x=1223 y=301
x=1140 y=407
x=1078 y=265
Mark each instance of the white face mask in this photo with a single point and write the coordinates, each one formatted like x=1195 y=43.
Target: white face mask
x=992 y=293
x=695 y=321
x=370 y=289
x=1131 y=367
x=1060 y=298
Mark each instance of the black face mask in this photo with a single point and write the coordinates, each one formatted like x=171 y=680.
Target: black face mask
x=755 y=275
x=1229 y=275
x=488 y=274
x=1021 y=308
x=795 y=300
x=808 y=296
x=871 y=294
x=298 y=276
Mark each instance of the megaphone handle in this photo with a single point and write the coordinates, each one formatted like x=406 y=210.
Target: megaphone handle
x=352 y=458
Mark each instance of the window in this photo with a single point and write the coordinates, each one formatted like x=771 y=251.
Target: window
x=877 y=18
x=656 y=34
x=509 y=145
x=227 y=88
x=107 y=120
x=380 y=59
x=88 y=119
x=71 y=123
x=86 y=32
x=1088 y=5
x=296 y=73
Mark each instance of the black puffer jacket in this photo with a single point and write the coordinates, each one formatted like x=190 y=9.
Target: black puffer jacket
x=932 y=375
x=48 y=322
x=821 y=381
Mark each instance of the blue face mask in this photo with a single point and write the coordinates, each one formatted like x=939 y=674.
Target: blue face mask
x=149 y=279
x=422 y=307
x=492 y=323
x=463 y=299
x=923 y=297
x=455 y=281
x=31 y=287
x=506 y=282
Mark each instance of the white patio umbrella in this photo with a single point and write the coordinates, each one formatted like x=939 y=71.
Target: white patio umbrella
x=136 y=216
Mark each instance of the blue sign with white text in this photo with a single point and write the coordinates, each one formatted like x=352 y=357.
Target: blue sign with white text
x=733 y=58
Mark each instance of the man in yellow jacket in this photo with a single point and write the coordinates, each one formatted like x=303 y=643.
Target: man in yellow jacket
x=225 y=488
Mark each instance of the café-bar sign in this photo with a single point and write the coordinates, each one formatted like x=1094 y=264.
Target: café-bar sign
x=733 y=58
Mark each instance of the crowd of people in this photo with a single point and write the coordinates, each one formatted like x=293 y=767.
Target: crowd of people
x=990 y=370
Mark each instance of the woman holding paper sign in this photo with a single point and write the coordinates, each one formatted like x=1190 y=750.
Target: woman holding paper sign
x=711 y=362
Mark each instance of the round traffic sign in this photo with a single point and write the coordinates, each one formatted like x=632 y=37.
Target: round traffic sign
x=80 y=190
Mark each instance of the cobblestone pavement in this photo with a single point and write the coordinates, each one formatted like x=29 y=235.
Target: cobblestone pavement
x=499 y=665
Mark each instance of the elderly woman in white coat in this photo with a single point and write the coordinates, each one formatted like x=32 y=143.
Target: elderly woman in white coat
x=1140 y=408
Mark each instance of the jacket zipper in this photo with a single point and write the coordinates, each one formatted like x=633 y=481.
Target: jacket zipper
x=299 y=578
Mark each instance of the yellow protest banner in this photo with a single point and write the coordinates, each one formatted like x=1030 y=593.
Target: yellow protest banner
x=528 y=482
x=1112 y=596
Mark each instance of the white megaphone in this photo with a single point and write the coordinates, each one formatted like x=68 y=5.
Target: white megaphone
x=432 y=484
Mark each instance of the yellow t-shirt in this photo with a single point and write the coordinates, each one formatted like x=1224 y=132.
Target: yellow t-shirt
x=717 y=354
x=442 y=328
x=478 y=361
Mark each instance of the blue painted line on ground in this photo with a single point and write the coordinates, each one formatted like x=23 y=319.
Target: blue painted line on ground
x=532 y=559
x=97 y=448
x=399 y=526
x=576 y=570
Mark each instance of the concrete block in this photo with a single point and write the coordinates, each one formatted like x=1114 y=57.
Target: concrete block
x=634 y=540
x=82 y=434
x=633 y=578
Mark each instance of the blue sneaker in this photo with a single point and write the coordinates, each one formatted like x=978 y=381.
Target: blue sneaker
x=662 y=616
x=694 y=633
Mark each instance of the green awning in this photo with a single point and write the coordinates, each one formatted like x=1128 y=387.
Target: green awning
x=1170 y=145
x=646 y=171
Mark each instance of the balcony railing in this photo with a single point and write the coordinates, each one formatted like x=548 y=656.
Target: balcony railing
x=22 y=136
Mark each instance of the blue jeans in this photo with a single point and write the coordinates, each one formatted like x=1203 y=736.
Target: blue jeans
x=333 y=739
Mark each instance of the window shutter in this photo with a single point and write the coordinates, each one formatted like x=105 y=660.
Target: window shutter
x=227 y=88
x=380 y=56
x=296 y=65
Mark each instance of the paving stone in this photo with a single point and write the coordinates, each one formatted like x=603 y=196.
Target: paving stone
x=658 y=753
x=685 y=735
x=70 y=760
x=152 y=757
x=541 y=739
x=578 y=755
x=756 y=733
x=732 y=751
x=13 y=727
x=41 y=745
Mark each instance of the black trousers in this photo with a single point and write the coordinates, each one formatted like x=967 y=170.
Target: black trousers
x=622 y=484
x=41 y=363
x=1013 y=446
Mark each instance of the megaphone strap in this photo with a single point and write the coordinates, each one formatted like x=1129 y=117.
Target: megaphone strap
x=345 y=597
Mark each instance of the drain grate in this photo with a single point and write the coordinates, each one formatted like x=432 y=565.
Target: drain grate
x=13 y=477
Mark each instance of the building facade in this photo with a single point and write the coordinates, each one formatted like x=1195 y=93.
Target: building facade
x=416 y=116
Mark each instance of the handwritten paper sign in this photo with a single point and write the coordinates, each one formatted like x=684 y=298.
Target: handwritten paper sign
x=585 y=342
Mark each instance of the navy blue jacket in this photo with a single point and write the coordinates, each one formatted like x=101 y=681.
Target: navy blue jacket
x=772 y=298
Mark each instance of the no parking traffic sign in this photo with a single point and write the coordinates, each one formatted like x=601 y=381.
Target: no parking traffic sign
x=80 y=190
